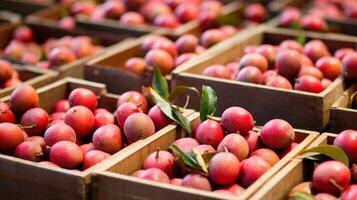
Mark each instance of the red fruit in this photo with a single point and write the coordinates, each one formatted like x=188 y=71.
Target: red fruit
x=81 y=119
x=205 y=148
x=349 y=66
x=254 y=59
x=82 y=47
x=134 y=97
x=235 y=189
x=311 y=71
x=199 y=49
x=103 y=118
x=82 y=7
x=60 y=56
x=35 y=121
x=6 y=115
x=269 y=52
x=68 y=23
x=313 y=23
x=183 y=58
x=349 y=193
x=124 y=111
x=308 y=84
x=255 y=12
x=6 y=71
x=136 y=65
x=186 y=12
x=166 y=20
x=289 y=17
x=61 y=106
x=324 y=196
x=23 y=98
x=269 y=75
x=237 y=120
x=306 y=61
x=108 y=138
x=10 y=136
x=176 y=181
x=268 y=155
x=161 y=59
x=252 y=169
x=235 y=144
x=149 y=41
x=211 y=37
x=330 y=67
x=59 y=132
x=57 y=117
x=233 y=68
x=133 y=4
x=153 y=9
x=94 y=157
x=228 y=30
x=138 y=126
x=224 y=168
x=37 y=139
x=286 y=151
x=186 y=44
x=210 y=132
x=288 y=63
x=166 y=45
x=186 y=144
x=159 y=118
x=196 y=181
x=66 y=154
x=23 y=34
x=218 y=71
x=83 y=97
x=154 y=174
x=250 y=74
x=113 y=9
x=85 y=148
x=163 y=160
x=347 y=141
x=291 y=45
x=254 y=141
x=341 y=53
x=325 y=83
x=279 y=82
x=132 y=18
x=208 y=20
x=29 y=151
x=316 y=49
x=277 y=134
x=328 y=172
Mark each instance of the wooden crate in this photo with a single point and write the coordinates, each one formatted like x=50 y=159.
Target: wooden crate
x=33 y=76
x=343 y=117
x=43 y=32
x=21 y=179
x=24 y=8
x=231 y=8
x=116 y=175
x=302 y=109
x=297 y=171
x=344 y=25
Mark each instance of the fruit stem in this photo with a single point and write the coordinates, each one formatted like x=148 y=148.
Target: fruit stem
x=27 y=126
x=226 y=149
x=214 y=118
x=157 y=153
x=336 y=185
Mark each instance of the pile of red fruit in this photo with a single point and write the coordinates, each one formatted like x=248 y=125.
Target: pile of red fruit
x=8 y=75
x=166 y=54
x=332 y=179
x=241 y=155
x=29 y=132
x=309 y=68
x=54 y=52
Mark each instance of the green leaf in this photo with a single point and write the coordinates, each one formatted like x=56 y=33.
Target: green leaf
x=302 y=196
x=301 y=37
x=171 y=112
x=200 y=160
x=187 y=158
x=207 y=157
x=177 y=91
x=159 y=84
x=208 y=102
x=352 y=99
x=331 y=151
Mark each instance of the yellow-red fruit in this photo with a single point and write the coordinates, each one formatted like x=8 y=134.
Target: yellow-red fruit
x=10 y=136
x=23 y=98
